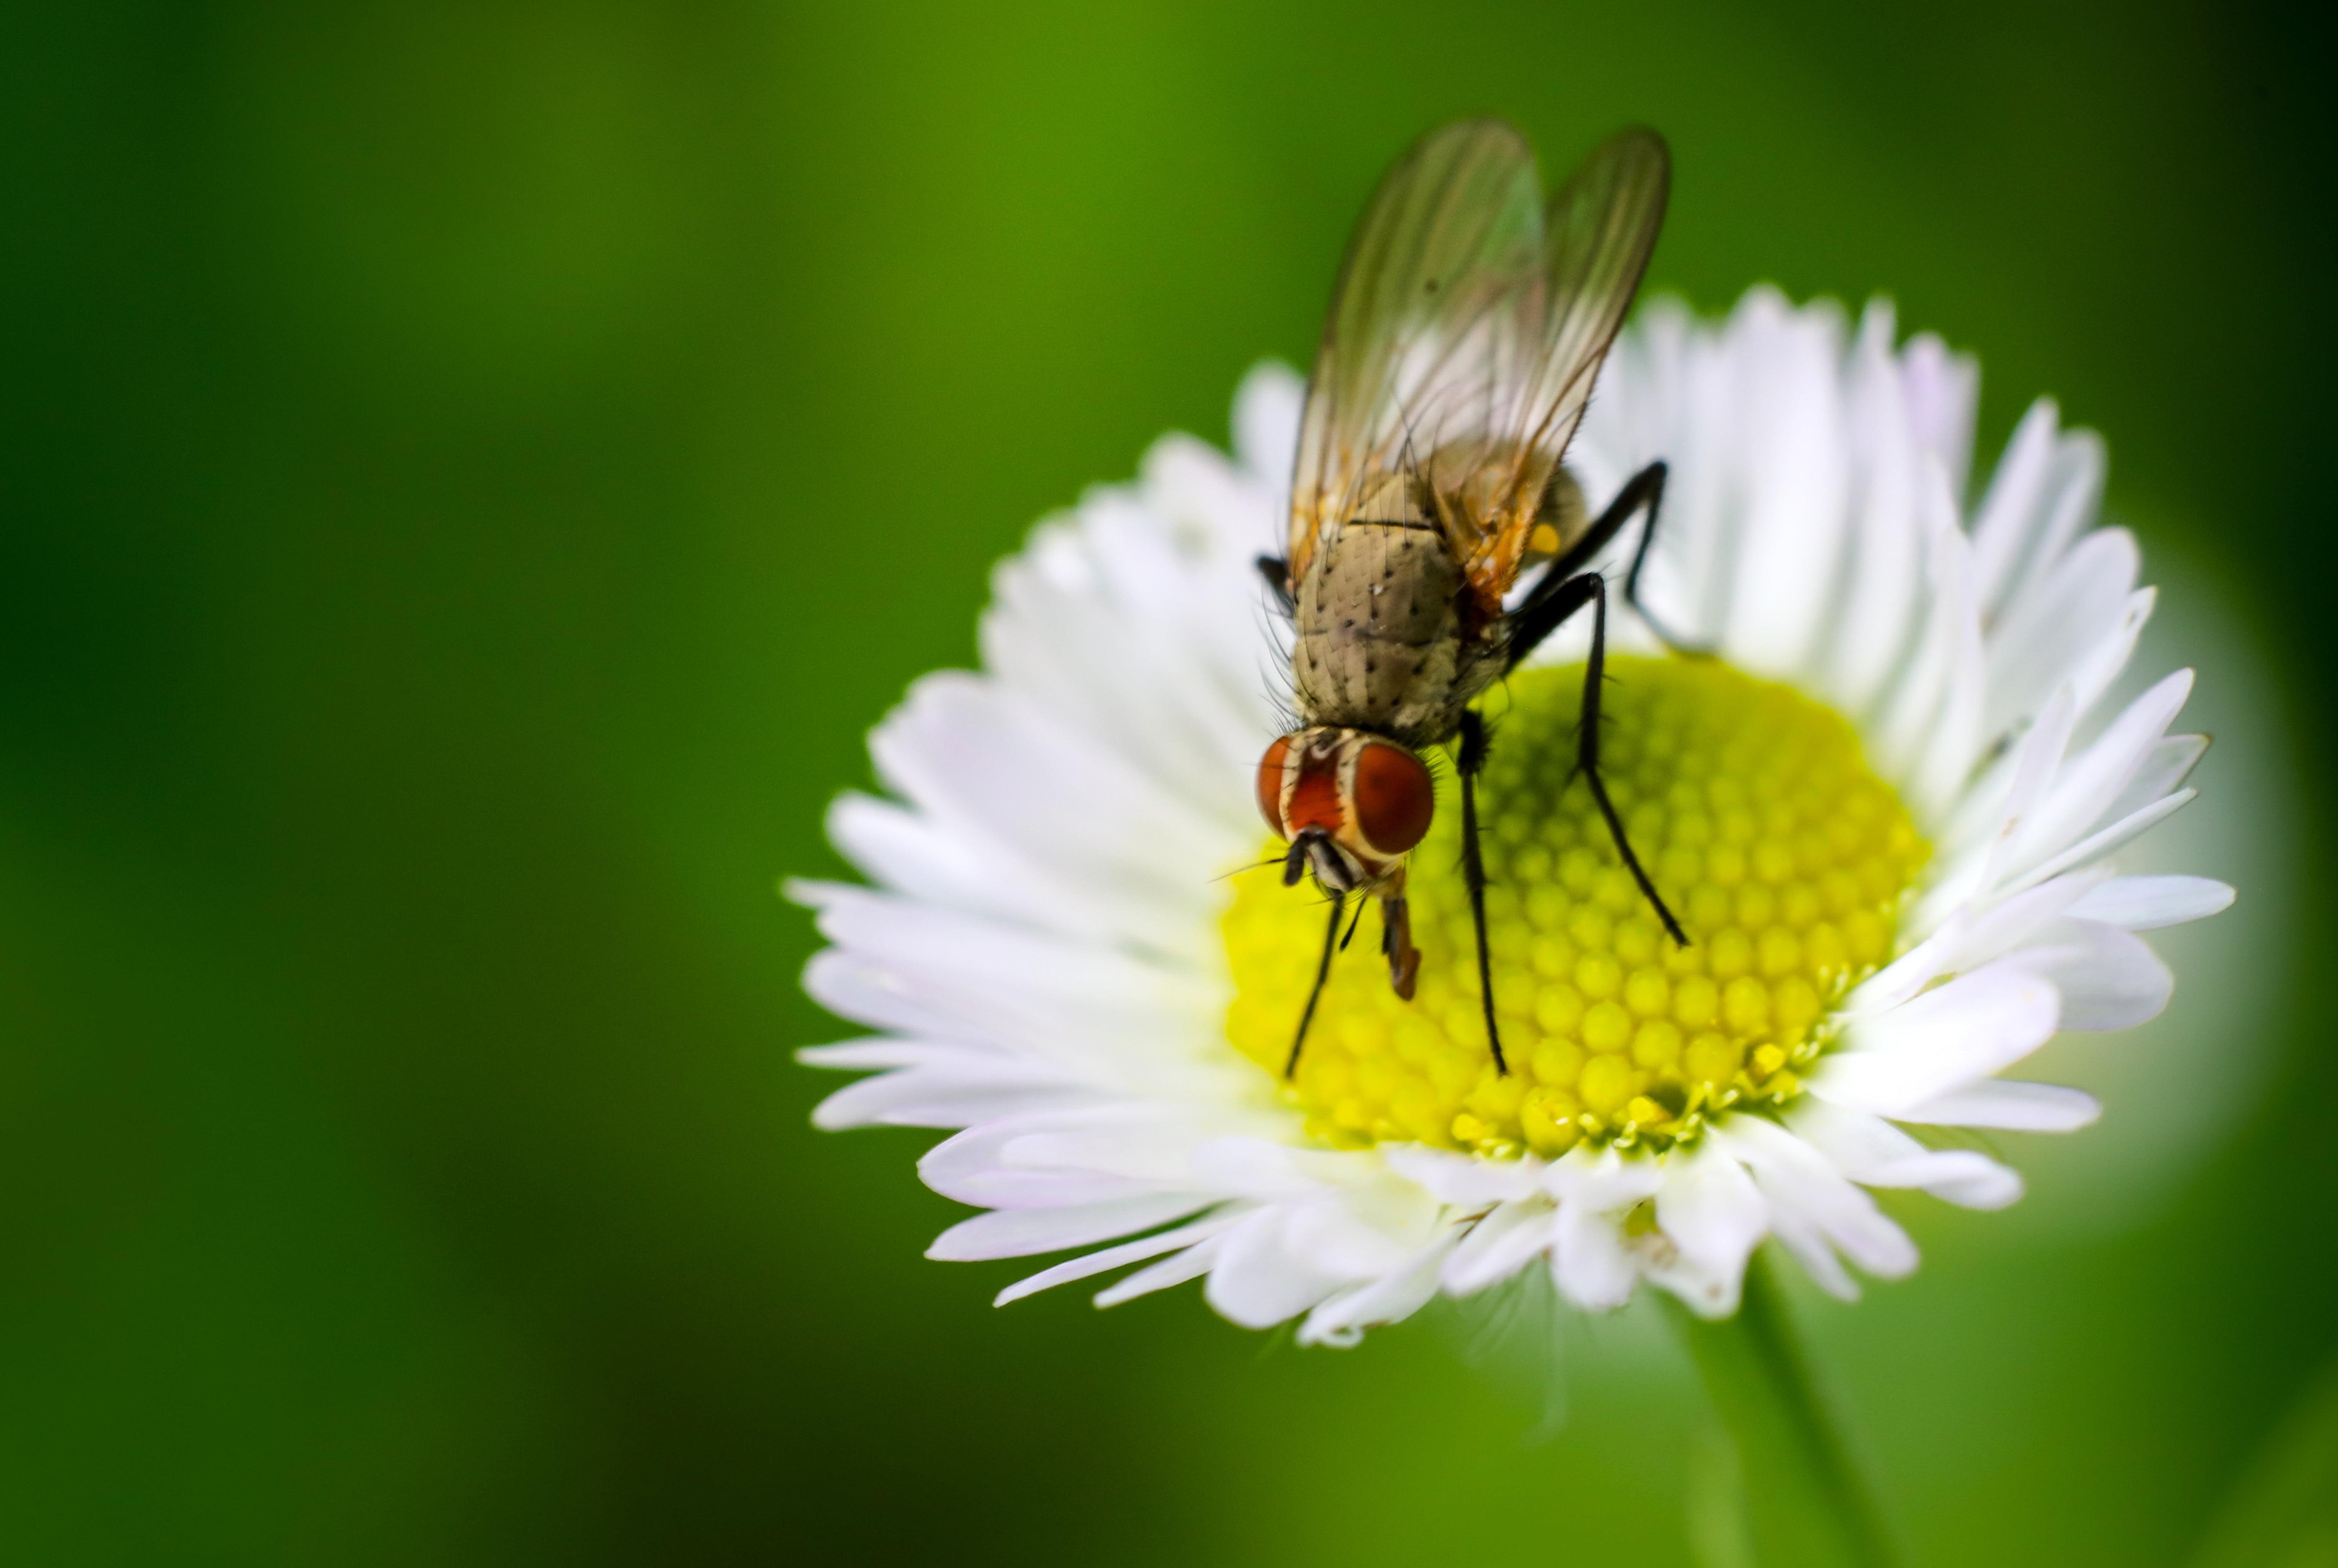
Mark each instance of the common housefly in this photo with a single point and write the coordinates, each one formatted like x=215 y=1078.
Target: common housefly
x=1470 y=318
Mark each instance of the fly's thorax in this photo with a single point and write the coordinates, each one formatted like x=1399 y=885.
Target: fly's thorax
x=1351 y=802
x=1383 y=642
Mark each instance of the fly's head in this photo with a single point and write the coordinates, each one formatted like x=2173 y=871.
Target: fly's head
x=1350 y=803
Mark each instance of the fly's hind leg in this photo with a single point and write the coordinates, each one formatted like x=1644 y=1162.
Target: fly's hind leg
x=1642 y=489
x=1587 y=755
x=1542 y=613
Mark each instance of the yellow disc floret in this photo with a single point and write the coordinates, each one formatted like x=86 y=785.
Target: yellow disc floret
x=1786 y=859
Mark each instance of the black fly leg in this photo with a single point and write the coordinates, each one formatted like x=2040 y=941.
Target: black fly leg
x=1645 y=488
x=1277 y=573
x=1473 y=871
x=1536 y=619
x=1651 y=479
x=1331 y=943
x=1586 y=753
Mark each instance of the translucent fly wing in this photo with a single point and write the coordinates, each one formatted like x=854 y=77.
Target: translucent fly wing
x=1599 y=231
x=1427 y=328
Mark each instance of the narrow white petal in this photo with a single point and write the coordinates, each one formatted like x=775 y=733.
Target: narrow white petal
x=1885 y=538
x=1975 y=1025
x=941 y=1096
x=2149 y=903
x=1795 y=505
x=1605 y=1180
x=1258 y=1281
x=973 y=1167
x=1943 y=393
x=888 y=1051
x=1019 y=1232
x=1590 y=1263
x=1361 y=1231
x=1874 y=1153
x=2003 y=527
x=1174 y=1270
x=2087 y=784
x=1964 y=1177
x=1462 y=1180
x=2122 y=832
x=1498 y=1246
x=2100 y=665
x=2106 y=977
x=2165 y=766
x=2009 y=1104
x=1799 y=1179
x=1712 y=1213
x=1111 y=1258
x=2083 y=601
x=2037 y=760
x=1950 y=752
x=1268 y=1171
x=1391 y=1299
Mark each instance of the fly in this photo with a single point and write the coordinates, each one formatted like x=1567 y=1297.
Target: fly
x=1470 y=320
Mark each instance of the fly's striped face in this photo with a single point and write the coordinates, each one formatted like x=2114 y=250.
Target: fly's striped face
x=1354 y=805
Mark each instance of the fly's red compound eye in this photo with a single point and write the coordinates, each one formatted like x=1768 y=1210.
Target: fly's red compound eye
x=1270 y=784
x=1394 y=798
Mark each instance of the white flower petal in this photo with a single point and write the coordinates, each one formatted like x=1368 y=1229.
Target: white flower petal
x=2087 y=784
x=2106 y=977
x=1713 y=1217
x=1389 y=1299
x=1975 y=1025
x=1590 y=1262
x=1111 y=1258
x=1807 y=1194
x=942 y=1097
x=2010 y=1105
x=1498 y=1246
x=1462 y=1180
x=1172 y=1270
x=1259 y=1281
x=2084 y=600
x=1019 y=1232
x=2149 y=903
x=2165 y=766
x=2123 y=832
x=1871 y=1151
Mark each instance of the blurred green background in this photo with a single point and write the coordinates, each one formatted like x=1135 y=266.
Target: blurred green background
x=474 y=474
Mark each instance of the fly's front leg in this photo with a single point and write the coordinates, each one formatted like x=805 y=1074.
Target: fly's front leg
x=1315 y=994
x=1473 y=872
x=1396 y=937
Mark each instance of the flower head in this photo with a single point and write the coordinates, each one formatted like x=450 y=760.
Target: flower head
x=1885 y=806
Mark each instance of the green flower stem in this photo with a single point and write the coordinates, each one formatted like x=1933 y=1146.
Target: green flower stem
x=1806 y=1505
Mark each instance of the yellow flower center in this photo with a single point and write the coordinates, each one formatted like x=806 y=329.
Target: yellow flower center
x=1786 y=859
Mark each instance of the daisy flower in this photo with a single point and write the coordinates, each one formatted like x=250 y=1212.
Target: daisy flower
x=1887 y=809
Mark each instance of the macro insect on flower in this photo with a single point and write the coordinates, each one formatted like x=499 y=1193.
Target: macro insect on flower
x=1461 y=347
x=1886 y=800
